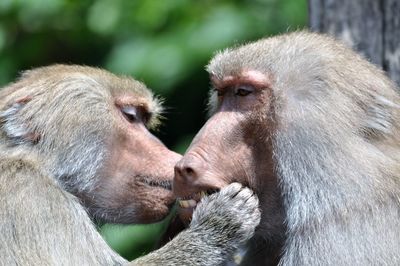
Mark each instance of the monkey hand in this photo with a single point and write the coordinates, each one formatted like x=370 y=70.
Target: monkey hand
x=230 y=216
x=221 y=223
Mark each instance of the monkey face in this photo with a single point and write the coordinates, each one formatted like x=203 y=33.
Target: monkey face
x=90 y=130
x=231 y=146
x=135 y=183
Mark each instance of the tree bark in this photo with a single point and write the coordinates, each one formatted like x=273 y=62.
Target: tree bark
x=371 y=27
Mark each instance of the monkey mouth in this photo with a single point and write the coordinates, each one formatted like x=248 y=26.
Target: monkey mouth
x=191 y=201
x=153 y=182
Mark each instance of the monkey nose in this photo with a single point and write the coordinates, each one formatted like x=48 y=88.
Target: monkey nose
x=188 y=170
x=194 y=174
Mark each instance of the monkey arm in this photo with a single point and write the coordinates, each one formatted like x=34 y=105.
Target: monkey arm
x=190 y=247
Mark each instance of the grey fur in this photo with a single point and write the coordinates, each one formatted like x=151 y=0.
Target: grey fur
x=336 y=148
x=42 y=222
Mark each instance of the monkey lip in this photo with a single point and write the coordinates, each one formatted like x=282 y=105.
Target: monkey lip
x=190 y=201
x=153 y=182
x=160 y=187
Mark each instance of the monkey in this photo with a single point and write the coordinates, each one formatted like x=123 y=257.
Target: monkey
x=314 y=129
x=76 y=148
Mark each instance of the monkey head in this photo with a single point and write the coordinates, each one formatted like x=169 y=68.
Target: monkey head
x=90 y=129
x=235 y=143
x=281 y=107
x=231 y=146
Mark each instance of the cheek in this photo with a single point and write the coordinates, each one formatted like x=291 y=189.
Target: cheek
x=240 y=164
x=76 y=167
x=126 y=201
x=228 y=163
x=259 y=99
x=263 y=161
x=248 y=102
x=256 y=158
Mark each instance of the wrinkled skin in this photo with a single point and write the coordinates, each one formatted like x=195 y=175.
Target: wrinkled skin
x=314 y=129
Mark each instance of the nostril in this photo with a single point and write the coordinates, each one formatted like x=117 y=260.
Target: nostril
x=184 y=171
x=178 y=171
x=189 y=168
x=189 y=171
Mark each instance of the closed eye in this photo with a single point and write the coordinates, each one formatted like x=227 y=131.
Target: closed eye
x=130 y=113
x=244 y=90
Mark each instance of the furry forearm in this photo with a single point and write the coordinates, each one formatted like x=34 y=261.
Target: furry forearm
x=191 y=247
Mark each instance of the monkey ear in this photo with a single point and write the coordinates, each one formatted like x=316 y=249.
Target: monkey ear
x=14 y=126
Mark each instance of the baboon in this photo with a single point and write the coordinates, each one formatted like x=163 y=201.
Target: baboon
x=74 y=148
x=314 y=129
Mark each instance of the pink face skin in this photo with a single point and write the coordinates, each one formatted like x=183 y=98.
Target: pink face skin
x=135 y=183
x=231 y=146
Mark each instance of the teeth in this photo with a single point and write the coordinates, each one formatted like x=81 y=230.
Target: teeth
x=191 y=203
x=187 y=203
x=184 y=204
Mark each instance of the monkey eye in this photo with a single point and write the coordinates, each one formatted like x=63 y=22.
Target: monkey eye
x=219 y=92
x=130 y=113
x=244 y=90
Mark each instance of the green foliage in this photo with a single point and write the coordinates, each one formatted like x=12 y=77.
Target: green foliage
x=132 y=241
x=165 y=44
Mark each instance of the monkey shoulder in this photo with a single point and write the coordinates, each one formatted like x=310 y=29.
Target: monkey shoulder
x=13 y=165
x=28 y=192
x=22 y=173
x=36 y=210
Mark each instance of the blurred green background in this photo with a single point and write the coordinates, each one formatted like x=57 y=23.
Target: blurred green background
x=164 y=43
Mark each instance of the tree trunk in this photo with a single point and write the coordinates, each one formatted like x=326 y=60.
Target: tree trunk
x=371 y=27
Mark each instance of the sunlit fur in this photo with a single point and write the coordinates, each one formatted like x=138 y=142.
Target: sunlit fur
x=48 y=113
x=336 y=148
